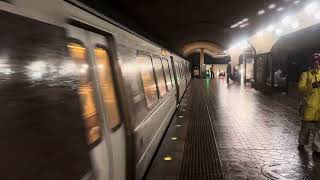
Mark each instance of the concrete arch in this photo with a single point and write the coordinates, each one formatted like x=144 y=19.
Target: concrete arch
x=190 y=48
x=208 y=52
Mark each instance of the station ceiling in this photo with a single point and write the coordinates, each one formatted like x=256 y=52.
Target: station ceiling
x=175 y=23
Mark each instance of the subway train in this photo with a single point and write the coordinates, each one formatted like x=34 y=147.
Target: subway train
x=279 y=70
x=82 y=97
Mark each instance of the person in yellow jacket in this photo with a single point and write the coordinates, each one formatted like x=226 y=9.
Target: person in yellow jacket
x=309 y=85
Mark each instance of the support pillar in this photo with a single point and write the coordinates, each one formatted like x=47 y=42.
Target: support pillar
x=202 y=65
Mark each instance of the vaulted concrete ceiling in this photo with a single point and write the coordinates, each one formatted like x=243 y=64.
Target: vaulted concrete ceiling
x=176 y=23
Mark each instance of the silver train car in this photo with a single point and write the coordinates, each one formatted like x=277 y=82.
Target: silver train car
x=82 y=97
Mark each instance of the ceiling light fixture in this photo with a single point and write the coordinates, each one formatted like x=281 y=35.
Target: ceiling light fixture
x=296 y=2
x=272 y=6
x=280 y=9
x=234 y=26
x=244 y=25
x=244 y=20
x=261 y=12
x=240 y=23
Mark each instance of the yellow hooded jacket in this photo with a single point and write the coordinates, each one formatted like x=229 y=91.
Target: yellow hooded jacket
x=311 y=95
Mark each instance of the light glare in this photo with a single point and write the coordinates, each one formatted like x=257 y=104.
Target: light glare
x=297 y=2
x=286 y=20
x=261 y=12
x=279 y=32
x=280 y=9
x=270 y=28
x=311 y=8
x=244 y=25
x=272 y=6
x=245 y=20
x=234 y=26
x=295 y=25
x=260 y=34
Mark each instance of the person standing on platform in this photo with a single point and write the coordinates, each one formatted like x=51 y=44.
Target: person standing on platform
x=212 y=72
x=228 y=72
x=309 y=85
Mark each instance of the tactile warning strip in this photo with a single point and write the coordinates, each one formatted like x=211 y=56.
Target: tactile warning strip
x=200 y=159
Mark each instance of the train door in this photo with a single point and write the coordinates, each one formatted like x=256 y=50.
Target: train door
x=105 y=132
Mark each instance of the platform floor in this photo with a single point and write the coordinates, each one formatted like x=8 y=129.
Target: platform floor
x=233 y=132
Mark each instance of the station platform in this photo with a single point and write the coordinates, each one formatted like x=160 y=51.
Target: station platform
x=231 y=131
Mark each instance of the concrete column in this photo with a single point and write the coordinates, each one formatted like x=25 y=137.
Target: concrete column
x=202 y=65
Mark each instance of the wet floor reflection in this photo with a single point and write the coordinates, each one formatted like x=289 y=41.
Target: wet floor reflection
x=257 y=134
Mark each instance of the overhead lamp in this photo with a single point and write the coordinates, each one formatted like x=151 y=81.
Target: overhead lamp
x=244 y=25
x=311 y=8
x=239 y=23
x=234 y=26
x=244 y=20
x=270 y=28
x=261 y=12
x=286 y=20
x=272 y=6
x=280 y=9
x=296 y=2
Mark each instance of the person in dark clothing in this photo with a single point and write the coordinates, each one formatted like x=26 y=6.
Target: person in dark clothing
x=212 y=72
x=228 y=73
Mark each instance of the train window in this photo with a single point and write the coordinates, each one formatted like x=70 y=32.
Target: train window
x=186 y=69
x=171 y=71
x=183 y=69
x=107 y=86
x=157 y=65
x=177 y=71
x=148 y=79
x=86 y=92
x=167 y=74
x=180 y=71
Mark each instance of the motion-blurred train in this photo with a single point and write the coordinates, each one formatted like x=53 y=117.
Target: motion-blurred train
x=82 y=97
